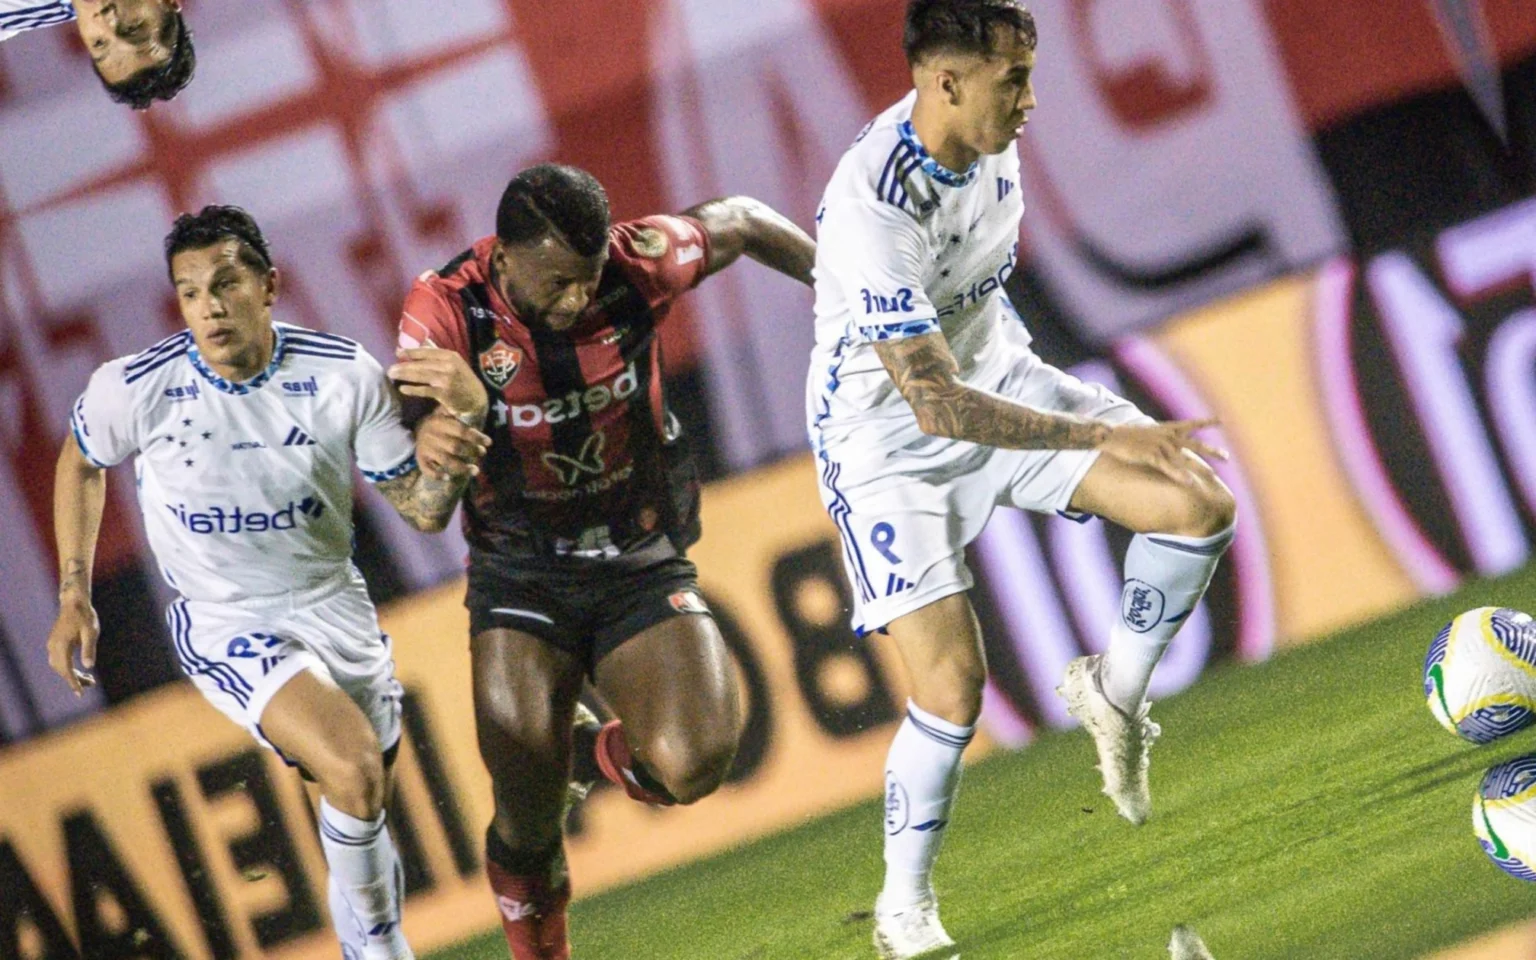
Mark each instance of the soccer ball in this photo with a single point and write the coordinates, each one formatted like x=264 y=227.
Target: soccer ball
x=1504 y=816
x=1480 y=675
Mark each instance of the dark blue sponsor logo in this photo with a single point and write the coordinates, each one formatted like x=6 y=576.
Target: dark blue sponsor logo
x=301 y=388
x=189 y=392
x=235 y=520
x=900 y=302
x=248 y=445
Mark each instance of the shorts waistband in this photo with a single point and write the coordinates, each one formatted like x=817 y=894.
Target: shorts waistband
x=295 y=600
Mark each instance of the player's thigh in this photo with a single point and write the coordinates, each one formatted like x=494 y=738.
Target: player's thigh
x=1046 y=481
x=674 y=682
x=314 y=723
x=525 y=691
x=941 y=646
x=343 y=632
x=903 y=537
x=1145 y=500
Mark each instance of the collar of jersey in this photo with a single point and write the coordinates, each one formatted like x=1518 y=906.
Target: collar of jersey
x=932 y=167
x=245 y=386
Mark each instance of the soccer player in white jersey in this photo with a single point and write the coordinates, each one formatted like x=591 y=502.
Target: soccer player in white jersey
x=244 y=433
x=927 y=409
x=141 y=50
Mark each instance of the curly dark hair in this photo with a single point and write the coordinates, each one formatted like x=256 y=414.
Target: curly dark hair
x=555 y=199
x=141 y=90
x=215 y=223
x=963 y=26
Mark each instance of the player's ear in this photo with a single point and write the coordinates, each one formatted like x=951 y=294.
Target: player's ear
x=949 y=85
x=274 y=282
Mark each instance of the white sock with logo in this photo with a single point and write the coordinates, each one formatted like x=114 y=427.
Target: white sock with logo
x=922 y=773
x=365 y=873
x=1165 y=576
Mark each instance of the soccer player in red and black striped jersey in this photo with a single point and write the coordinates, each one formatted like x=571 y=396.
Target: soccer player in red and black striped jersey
x=581 y=512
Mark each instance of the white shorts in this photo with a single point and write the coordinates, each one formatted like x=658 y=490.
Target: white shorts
x=240 y=655
x=906 y=515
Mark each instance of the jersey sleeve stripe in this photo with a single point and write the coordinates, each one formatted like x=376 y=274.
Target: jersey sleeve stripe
x=131 y=374
x=295 y=333
x=399 y=470
x=898 y=154
x=294 y=351
x=85 y=451
x=159 y=350
x=899 y=331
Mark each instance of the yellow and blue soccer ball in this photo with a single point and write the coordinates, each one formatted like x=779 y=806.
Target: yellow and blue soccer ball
x=1480 y=675
x=1504 y=816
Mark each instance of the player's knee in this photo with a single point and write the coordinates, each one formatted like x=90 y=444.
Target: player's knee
x=692 y=768
x=951 y=690
x=1207 y=507
x=352 y=777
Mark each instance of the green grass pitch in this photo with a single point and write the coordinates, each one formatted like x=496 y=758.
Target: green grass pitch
x=1308 y=807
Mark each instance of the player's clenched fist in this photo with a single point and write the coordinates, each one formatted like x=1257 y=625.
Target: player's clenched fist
x=1161 y=446
x=76 y=629
x=441 y=375
x=447 y=448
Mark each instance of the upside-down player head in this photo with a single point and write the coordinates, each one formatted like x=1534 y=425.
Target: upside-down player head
x=971 y=63
x=225 y=285
x=551 y=243
x=141 y=49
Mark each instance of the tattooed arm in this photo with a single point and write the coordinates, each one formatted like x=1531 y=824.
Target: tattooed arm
x=79 y=499
x=926 y=373
x=426 y=501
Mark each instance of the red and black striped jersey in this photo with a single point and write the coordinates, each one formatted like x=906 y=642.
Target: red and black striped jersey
x=585 y=459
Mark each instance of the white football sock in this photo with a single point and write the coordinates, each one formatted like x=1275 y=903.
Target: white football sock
x=1165 y=576
x=922 y=773
x=349 y=930
x=365 y=871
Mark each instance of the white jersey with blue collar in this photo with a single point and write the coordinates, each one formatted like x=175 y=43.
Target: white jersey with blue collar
x=246 y=488
x=906 y=247
x=20 y=15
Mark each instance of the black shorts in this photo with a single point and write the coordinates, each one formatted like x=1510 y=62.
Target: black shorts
x=585 y=612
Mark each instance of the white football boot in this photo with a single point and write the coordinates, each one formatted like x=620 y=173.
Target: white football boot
x=1187 y=945
x=913 y=931
x=1122 y=741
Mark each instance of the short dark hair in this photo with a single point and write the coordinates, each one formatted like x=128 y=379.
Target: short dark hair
x=141 y=90
x=963 y=26
x=216 y=223
x=552 y=198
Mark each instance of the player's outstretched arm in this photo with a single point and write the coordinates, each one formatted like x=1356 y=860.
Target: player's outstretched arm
x=79 y=499
x=925 y=371
x=742 y=225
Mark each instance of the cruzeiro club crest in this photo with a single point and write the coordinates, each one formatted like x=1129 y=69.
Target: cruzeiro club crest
x=500 y=363
x=588 y=460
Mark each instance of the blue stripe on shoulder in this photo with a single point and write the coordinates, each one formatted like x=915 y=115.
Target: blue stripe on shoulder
x=131 y=374
x=298 y=333
x=297 y=351
x=169 y=343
